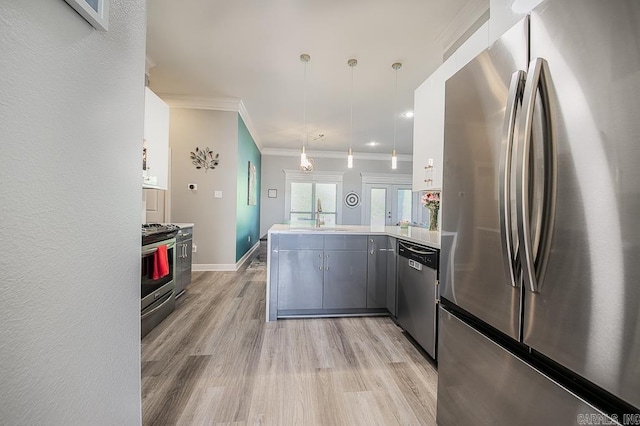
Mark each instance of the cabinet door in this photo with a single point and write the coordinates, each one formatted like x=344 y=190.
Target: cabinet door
x=345 y=279
x=186 y=263
x=377 y=272
x=156 y=135
x=300 y=276
x=422 y=110
x=391 y=276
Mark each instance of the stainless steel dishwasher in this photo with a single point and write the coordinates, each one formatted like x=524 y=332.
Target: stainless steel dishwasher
x=417 y=275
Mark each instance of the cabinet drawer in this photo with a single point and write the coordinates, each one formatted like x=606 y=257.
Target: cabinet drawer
x=301 y=241
x=345 y=242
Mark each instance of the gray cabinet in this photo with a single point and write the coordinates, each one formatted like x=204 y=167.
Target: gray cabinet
x=318 y=272
x=345 y=279
x=184 y=246
x=300 y=274
x=315 y=274
x=345 y=272
x=377 y=272
x=381 y=273
x=392 y=285
x=300 y=279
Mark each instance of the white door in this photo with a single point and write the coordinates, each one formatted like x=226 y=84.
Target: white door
x=386 y=205
x=155 y=205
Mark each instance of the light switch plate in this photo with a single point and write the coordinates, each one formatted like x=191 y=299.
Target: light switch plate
x=217 y=194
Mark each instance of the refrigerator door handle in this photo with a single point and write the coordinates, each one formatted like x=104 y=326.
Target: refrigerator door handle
x=533 y=260
x=506 y=154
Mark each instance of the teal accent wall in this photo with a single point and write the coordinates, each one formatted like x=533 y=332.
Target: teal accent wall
x=248 y=217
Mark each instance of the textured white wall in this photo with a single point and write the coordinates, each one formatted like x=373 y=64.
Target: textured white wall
x=71 y=123
x=214 y=218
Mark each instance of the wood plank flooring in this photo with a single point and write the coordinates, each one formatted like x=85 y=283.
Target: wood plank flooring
x=215 y=361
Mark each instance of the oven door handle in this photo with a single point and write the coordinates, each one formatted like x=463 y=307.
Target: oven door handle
x=147 y=252
x=167 y=298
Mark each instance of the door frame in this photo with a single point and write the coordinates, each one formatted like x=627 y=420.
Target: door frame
x=393 y=181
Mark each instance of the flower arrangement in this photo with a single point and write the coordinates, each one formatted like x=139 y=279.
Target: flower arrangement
x=431 y=200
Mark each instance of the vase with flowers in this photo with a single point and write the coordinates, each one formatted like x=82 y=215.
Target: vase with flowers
x=431 y=200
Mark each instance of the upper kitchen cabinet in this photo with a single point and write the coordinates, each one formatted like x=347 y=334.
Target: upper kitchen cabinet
x=428 y=118
x=155 y=162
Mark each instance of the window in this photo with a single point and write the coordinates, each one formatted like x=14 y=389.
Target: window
x=304 y=192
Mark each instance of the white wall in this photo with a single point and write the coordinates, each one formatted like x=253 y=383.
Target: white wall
x=505 y=13
x=71 y=108
x=214 y=218
x=273 y=177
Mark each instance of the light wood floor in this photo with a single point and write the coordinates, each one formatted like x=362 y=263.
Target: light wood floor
x=216 y=361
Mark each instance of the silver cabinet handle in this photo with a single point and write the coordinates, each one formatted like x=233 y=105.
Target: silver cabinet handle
x=536 y=250
x=327 y=263
x=506 y=154
x=320 y=262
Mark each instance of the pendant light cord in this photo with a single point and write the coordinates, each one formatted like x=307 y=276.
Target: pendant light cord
x=304 y=105
x=395 y=107
x=351 y=119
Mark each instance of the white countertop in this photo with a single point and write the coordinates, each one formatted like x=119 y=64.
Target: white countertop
x=413 y=234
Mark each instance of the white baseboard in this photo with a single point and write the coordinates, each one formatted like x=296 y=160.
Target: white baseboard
x=226 y=267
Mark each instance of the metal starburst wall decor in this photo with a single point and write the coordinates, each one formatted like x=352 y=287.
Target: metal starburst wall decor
x=204 y=159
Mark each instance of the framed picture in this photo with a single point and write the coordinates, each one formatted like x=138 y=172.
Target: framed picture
x=273 y=193
x=252 y=199
x=96 y=12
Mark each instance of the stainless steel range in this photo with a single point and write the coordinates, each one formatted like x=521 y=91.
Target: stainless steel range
x=157 y=274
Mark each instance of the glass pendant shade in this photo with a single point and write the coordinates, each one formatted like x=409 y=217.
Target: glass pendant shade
x=350 y=159
x=394 y=160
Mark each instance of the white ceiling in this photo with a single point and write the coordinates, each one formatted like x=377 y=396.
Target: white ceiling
x=250 y=49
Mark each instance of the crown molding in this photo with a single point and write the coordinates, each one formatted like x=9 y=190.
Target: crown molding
x=286 y=152
x=470 y=12
x=216 y=104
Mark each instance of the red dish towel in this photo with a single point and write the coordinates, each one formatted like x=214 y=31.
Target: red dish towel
x=160 y=263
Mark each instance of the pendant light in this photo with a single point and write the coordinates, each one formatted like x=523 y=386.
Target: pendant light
x=394 y=158
x=305 y=162
x=352 y=63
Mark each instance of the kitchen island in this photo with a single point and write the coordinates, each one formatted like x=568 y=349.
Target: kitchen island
x=344 y=270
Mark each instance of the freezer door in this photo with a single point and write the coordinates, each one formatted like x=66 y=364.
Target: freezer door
x=474 y=273
x=480 y=383
x=584 y=312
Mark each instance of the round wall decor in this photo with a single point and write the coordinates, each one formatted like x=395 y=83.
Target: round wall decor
x=352 y=199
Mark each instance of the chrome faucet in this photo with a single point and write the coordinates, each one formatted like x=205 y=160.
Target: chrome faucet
x=318 y=211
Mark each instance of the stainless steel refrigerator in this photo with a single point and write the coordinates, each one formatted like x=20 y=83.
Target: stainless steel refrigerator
x=540 y=264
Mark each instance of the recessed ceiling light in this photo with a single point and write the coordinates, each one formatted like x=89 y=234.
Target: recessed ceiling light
x=372 y=143
x=408 y=114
